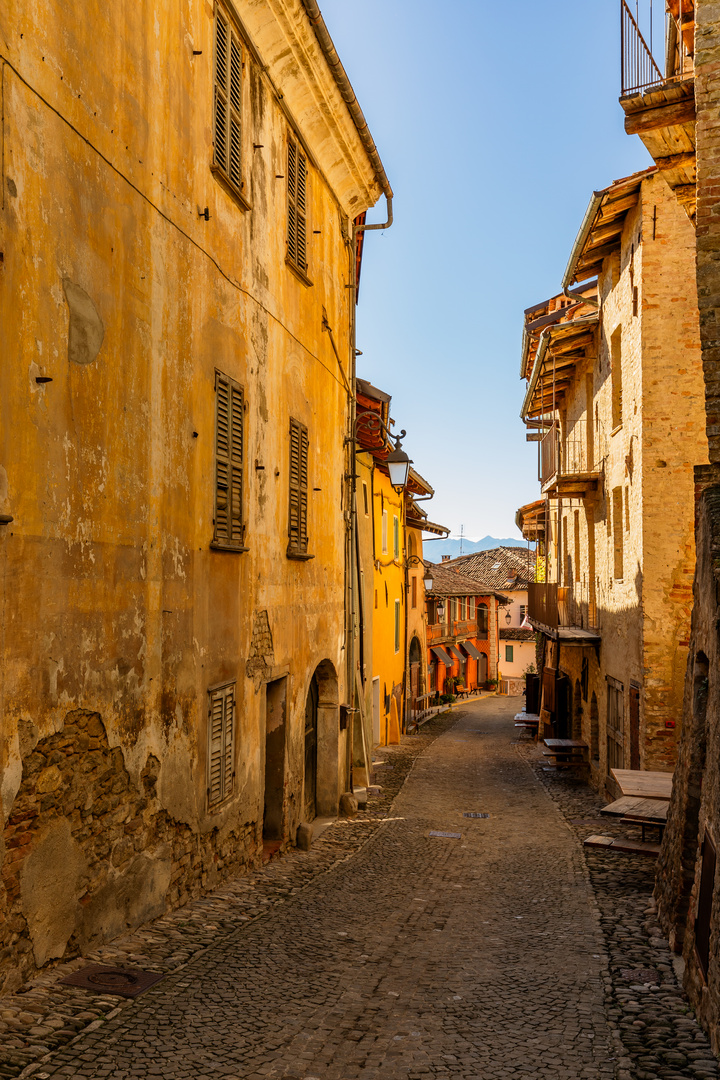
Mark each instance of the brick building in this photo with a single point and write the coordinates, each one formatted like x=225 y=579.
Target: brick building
x=614 y=396
x=675 y=109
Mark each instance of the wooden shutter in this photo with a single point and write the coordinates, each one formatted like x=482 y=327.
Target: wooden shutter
x=297 y=205
x=227 y=99
x=704 y=905
x=298 y=488
x=221 y=744
x=397 y=626
x=229 y=404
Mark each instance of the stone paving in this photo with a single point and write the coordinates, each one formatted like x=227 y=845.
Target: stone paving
x=386 y=952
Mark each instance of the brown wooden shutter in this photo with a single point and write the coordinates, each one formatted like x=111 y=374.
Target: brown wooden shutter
x=221 y=744
x=229 y=527
x=298 y=486
x=227 y=99
x=297 y=205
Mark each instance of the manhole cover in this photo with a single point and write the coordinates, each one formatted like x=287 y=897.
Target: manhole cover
x=472 y=813
x=640 y=975
x=124 y=982
x=448 y=835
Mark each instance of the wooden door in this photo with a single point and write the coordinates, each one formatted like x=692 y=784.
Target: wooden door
x=634 y=727
x=310 y=786
x=414 y=686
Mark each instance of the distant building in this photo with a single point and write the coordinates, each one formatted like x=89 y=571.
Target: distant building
x=507 y=572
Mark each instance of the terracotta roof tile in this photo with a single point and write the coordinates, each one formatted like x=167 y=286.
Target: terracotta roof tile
x=498 y=568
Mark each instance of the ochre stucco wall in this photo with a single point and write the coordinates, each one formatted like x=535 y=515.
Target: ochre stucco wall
x=117 y=616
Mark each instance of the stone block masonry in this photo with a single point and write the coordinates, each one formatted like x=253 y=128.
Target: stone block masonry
x=89 y=854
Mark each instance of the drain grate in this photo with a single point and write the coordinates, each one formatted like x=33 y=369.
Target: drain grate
x=448 y=835
x=473 y=813
x=125 y=982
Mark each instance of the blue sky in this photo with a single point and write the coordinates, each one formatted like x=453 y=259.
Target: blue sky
x=495 y=123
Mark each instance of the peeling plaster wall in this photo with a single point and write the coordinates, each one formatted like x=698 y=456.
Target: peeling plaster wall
x=114 y=606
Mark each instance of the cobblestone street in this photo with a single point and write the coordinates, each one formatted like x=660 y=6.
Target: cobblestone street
x=486 y=955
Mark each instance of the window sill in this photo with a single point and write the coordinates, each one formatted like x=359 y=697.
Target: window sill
x=616 y=429
x=234 y=192
x=299 y=556
x=300 y=274
x=218 y=545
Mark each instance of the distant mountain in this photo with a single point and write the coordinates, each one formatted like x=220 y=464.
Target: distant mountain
x=434 y=550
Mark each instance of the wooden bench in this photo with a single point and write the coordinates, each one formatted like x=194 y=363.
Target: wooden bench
x=565 y=753
x=629 y=847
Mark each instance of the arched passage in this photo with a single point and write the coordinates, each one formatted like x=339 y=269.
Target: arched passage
x=321 y=750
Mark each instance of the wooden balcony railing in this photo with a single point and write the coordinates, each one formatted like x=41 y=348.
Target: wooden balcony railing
x=561 y=606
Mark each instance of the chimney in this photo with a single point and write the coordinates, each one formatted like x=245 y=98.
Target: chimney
x=446 y=558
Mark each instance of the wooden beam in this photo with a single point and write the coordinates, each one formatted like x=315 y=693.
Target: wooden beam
x=677 y=161
x=670 y=115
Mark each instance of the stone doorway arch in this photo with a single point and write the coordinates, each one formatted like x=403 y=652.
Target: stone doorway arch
x=321 y=744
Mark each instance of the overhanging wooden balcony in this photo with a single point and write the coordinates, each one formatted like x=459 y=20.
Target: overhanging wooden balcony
x=564 y=613
x=659 y=105
x=567 y=468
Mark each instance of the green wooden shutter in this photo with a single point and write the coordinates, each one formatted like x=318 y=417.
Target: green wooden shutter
x=229 y=405
x=397 y=626
x=227 y=99
x=298 y=488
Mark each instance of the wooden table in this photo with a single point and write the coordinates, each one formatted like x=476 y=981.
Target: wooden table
x=643 y=784
x=642 y=812
x=566 y=752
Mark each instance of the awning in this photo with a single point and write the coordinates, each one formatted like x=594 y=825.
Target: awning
x=471 y=650
x=442 y=656
x=456 y=653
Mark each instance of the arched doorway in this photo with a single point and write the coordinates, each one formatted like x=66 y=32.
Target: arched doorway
x=415 y=658
x=310 y=775
x=322 y=751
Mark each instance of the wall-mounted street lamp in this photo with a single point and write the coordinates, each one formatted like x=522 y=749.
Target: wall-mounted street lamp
x=397 y=461
x=508 y=617
x=441 y=612
x=415 y=560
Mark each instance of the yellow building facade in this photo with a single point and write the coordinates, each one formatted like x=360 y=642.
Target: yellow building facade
x=178 y=242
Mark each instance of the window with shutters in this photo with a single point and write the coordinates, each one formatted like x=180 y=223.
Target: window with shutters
x=397 y=626
x=298 y=498
x=229 y=533
x=227 y=105
x=396 y=537
x=384 y=531
x=221 y=744
x=297 y=224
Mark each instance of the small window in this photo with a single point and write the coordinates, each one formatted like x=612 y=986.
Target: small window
x=509 y=654
x=482 y=621
x=298 y=489
x=229 y=532
x=297 y=206
x=221 y=744
x=384 y=531
x=365 y=499
x=227 y=100
x=523 y=612
x=396 y=537
x=397 y=626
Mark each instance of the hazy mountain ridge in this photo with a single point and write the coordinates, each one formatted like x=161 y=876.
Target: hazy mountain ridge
x=434 y=550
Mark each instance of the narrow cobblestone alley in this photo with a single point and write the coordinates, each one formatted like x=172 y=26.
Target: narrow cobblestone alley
x=498 y=953
x=476 y=956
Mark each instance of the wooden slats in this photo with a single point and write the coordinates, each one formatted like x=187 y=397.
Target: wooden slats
x=227 y=100
x=221 y=744
x=297 y=189
x=298 y=491
x=229 y=409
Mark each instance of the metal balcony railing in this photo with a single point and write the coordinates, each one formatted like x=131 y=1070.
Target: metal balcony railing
x=570 y=454
x=640 y=70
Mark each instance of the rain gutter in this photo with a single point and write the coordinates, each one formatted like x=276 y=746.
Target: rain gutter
x=580 y=240
x=540 y=356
